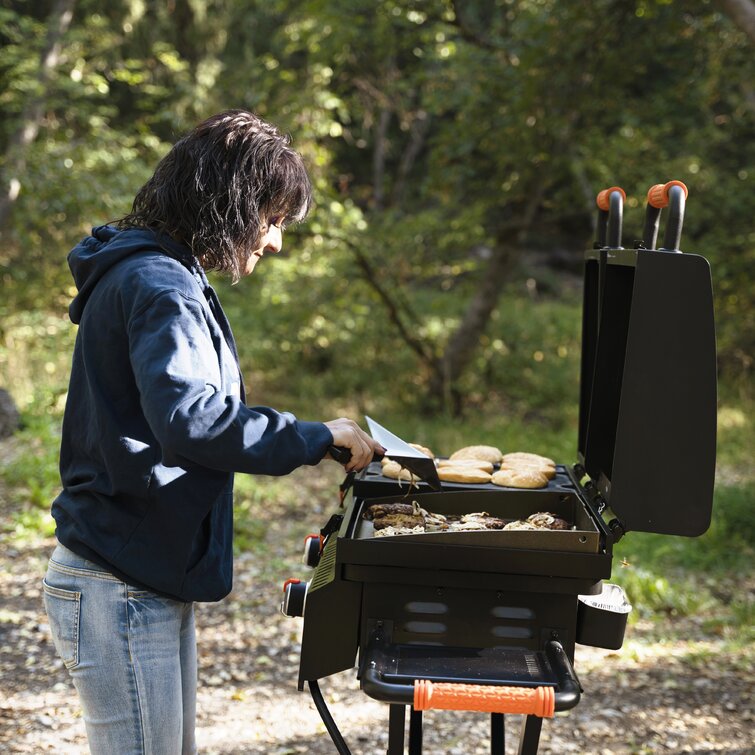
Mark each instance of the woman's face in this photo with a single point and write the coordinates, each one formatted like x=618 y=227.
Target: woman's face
x=271 y=241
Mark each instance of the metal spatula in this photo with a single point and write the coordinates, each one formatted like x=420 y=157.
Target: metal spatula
x=415 y=461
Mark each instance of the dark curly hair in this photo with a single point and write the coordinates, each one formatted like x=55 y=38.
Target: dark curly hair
x=219 y=187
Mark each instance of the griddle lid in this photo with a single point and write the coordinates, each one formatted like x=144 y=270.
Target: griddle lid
x=647 y=432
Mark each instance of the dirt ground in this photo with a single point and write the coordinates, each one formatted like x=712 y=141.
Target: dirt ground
x=671 y=689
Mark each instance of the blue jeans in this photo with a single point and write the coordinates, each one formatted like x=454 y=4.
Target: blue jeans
x=132 y=657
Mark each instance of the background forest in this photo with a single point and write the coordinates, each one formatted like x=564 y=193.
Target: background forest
x=456 y=149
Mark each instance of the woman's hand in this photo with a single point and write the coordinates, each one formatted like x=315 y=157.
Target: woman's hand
x=347 y=434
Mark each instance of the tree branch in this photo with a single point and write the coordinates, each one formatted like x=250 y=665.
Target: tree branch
x=393 y=307
x=419 y=128
x=474 y=36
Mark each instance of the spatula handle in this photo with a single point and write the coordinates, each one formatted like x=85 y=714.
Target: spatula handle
x=342 y=455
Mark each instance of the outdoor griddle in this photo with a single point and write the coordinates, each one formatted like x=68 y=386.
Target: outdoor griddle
x=488 y=620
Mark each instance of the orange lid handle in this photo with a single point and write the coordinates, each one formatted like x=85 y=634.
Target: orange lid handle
x=658 y=194
x=603 y=199
x=291 y=581
x=529 y=701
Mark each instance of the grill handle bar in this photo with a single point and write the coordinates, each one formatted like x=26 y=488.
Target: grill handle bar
x=509 y=698
x=673 y=194
x=528 y=701
x=610 y=204
x=677 y=194
x=652 y=222
x=569 y=688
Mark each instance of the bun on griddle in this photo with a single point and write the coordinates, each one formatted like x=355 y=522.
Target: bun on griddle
x=485 y=453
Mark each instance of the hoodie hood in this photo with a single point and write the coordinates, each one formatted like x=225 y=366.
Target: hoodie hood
x=94 y=255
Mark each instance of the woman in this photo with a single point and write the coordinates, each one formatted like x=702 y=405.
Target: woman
x=156 y=425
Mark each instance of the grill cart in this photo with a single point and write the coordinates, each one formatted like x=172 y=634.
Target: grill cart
x=488 y=620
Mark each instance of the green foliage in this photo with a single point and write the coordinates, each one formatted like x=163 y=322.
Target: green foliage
x=31 y=478
x=429 y=135
x=728 y=546
x=255 y=498
x=435 y=141
x=655 y=594
x=33 y=475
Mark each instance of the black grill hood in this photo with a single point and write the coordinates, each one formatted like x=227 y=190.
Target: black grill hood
x=647 y=419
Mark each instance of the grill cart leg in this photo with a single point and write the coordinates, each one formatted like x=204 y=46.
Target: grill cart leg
x=415 y=732
x=530 y=737
x=396 y=719
x=497 y=734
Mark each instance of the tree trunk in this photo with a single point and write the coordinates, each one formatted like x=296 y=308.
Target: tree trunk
x=31 y=118
x=465 y=340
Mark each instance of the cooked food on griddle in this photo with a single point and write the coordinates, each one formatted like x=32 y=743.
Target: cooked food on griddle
x=474 y=465
x=395 y=471
x=467 y=474
x=520 y=478
x=379 y=510
x=395 y=515
x=481 y=521
x=399 y=521
x=390 y=531
x=549 y=470
x=544 y=520
x=486 y=453
x=540 y=521
x=485 y=466
x=526 y=456
x=423 y=449
x=404 y=516
x=410 y=518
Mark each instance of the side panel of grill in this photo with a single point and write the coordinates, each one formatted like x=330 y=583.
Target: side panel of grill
x=331 y=620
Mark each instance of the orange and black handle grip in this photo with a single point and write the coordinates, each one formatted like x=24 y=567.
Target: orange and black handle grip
x=610 y=204
x=527 y=701
x=659 y=195
x=673 y=195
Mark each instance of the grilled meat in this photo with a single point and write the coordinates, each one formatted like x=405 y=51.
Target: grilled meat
x=404 y=516
x=378 y=510
x=410 y=518
x=540 y=521
x=545 y=520
x=398 y=520
x=520 y=525
x=483 y=521
x=389 y=531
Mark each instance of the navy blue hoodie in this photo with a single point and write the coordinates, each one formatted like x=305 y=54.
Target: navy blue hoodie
x=155 y=423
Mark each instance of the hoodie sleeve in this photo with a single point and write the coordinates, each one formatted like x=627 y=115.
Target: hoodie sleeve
x=178 y=375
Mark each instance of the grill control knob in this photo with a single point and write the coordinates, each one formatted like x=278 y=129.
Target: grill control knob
x=312 y=550
x=294 y=597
